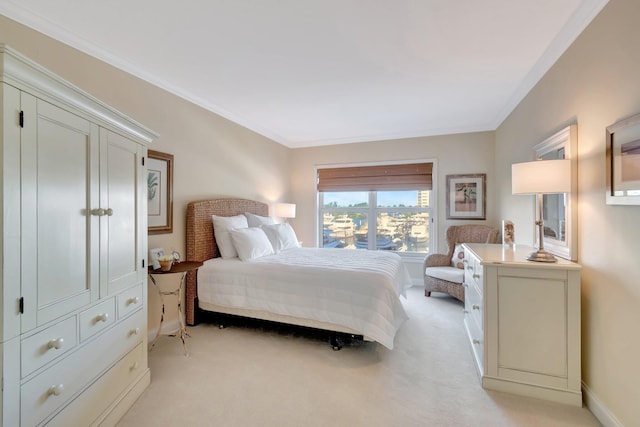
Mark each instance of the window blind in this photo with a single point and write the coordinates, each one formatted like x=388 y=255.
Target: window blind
x=414 y=176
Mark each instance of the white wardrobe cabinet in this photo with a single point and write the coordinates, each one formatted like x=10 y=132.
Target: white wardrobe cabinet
x=73 y=287
x=523 y=322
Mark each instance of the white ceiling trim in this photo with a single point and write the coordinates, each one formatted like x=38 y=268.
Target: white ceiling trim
x=576 y=25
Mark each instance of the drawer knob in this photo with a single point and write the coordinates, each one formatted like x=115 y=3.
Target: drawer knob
x=475 y=341
x=102 y=317
x=476 y=276
x=98 y=212
x=465 y=311
x=134 y=300
x=134 y=331
x=134 y=366
x=56 y=343
x=108 y=212
x=475 y=307
x=56 y=390
x=469 y=267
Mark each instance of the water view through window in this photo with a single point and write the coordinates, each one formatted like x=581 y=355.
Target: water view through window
x=377 y=220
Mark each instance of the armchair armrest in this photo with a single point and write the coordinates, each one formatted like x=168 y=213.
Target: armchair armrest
x=437 y=260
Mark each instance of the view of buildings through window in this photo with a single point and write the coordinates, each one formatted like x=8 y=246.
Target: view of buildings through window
x=376 y=220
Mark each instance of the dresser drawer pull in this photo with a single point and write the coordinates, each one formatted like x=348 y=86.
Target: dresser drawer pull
x=134 y=331
x=134 y=300
x=469 y=267
x=57 y=343
x=102 y=317
x=476 y=276
x=475 y=307
x=475 y=341
x=56 y=390
x=134 y=366
x=465 y=311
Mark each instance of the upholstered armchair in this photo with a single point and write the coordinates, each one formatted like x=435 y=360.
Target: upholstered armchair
x=445 y=272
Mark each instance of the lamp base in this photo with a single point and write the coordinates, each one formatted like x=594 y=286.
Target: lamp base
x=541 y=256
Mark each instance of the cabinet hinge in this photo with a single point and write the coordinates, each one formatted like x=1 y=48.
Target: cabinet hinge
x=21 y=119
x=143 y=161
x=142 y=263
x=21 y=304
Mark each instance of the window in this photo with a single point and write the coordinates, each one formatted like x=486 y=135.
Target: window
x=389 y=216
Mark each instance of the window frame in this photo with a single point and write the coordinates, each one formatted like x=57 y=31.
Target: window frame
x=372 y=210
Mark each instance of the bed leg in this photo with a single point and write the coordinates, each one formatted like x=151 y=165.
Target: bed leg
x=336 y=343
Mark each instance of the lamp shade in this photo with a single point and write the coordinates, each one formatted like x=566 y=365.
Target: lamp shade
x=286 y=210
x=541 y=177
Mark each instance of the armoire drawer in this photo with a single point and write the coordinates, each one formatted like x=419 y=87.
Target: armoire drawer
x=44 y=394
x=97 y=398
x=129 y=301
x=97 y=318
x=477 y=341
x=47 y=345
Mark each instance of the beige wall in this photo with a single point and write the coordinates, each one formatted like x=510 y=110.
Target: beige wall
x=454 y=154
x=594 y=84
x=212 y=156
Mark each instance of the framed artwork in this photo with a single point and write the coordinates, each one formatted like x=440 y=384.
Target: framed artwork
x=160 y=192
x=623 y=162
x=466 y=196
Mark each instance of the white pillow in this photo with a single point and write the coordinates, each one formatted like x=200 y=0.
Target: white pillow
x=257 y=220
x=221 y=227
x=251 y=243
x=281 y=236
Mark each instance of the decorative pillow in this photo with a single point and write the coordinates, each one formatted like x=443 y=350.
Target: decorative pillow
x=458 y=256
x=281 y=236
x=221 y=227
x=251 y=243
x=257 y=220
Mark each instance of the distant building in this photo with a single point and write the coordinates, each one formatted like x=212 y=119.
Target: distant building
x=423 y=199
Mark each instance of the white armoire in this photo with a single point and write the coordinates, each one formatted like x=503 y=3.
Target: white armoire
x=73 y=281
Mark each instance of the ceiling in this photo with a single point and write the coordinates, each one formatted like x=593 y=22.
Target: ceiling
x=307 y=73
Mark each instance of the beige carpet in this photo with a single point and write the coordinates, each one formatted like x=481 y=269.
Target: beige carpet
x=255 y=376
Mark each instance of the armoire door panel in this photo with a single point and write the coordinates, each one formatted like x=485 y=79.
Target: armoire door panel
x=119 y=194
x=62 y=254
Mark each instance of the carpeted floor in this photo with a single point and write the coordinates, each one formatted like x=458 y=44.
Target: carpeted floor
x=255 y=375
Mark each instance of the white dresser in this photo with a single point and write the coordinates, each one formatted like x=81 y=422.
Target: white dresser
x=523 y=322
x=73 y=280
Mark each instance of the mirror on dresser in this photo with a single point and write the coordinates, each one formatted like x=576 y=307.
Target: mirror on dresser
x=560 y=210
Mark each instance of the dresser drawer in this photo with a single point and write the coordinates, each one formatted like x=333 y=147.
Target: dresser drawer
x=129 y=301
x=476 y=337
x=96 y=399
x=44 y=394
x=97 y=318
x=474 y=305
x=47 y=345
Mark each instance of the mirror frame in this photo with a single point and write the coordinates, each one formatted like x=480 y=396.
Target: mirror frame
x=566 y=139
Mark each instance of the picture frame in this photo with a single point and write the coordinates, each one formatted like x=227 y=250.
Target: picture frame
x=154 y=254
x=623 y=162
x=466 y=196
x=159 y=192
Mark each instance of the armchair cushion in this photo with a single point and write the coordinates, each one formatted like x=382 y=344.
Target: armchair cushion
x=450 y=274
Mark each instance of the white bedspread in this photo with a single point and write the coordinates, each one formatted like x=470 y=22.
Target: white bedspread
x=353 y=288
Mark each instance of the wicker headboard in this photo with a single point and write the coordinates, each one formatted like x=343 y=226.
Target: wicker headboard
x=201 y=244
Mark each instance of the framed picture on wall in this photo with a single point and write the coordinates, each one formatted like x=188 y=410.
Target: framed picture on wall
x=466 y=198
x=160 y=192
x=623 y=162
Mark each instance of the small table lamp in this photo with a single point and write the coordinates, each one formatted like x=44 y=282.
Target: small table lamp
x=285 y=210
x=541 y=177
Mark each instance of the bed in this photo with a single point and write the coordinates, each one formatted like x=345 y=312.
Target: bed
x=350 y=292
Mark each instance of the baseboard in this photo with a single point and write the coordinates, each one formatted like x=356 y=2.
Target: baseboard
x=599 y=409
